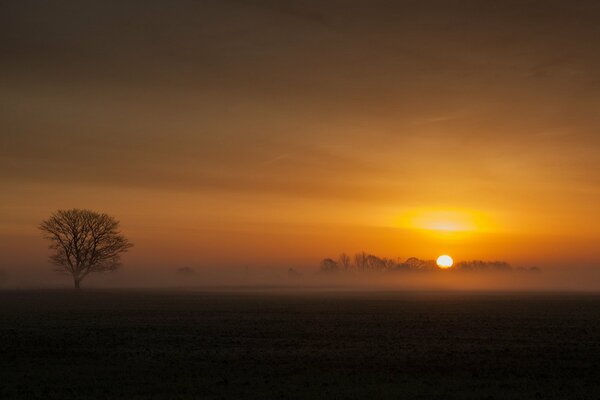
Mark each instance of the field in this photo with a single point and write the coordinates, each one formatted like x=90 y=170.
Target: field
x=264 y=345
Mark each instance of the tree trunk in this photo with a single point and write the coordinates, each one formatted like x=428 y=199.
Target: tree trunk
x=76 y=281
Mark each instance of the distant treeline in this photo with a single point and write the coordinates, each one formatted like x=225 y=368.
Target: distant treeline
x=364 y=262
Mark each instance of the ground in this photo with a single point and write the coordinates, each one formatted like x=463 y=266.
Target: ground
x=194 y=344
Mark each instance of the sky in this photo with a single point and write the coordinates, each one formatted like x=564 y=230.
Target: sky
x=273 y=133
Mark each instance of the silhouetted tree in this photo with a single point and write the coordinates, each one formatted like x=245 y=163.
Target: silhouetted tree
x=414 y=263
x=344 y=262
x=328 y=265
x=365 y=262
x=83 y=242
x=401 y=266
x=375 y=263
x=389 y=264
x=368 y=262
x=479 y=265
x=360 y=261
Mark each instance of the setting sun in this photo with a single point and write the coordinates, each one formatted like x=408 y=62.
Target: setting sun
x=444 y=261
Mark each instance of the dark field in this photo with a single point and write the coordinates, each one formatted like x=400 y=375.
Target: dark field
x=180 y=345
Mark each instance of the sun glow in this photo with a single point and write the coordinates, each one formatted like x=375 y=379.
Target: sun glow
x=444 y=261
x=444 y=220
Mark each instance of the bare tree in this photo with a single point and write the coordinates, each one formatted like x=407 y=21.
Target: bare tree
x=344 y=262
x=328 y=265
x=360 y=260
x=375 y=263
x=414 y=263
x=83 y=242
x=479 y=265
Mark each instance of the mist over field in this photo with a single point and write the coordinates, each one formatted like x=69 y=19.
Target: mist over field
x=276 y=278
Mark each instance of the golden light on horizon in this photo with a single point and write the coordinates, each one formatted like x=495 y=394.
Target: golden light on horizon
x=444 y=261
x=445 y=220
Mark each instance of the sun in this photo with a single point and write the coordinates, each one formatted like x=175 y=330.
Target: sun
x=444 y=261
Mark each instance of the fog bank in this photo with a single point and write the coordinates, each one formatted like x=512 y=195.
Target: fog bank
x=546 y=279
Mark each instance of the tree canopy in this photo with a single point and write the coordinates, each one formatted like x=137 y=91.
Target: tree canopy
x=84 y=242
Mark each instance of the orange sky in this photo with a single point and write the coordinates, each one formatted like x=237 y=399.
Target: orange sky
x=270 y=133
